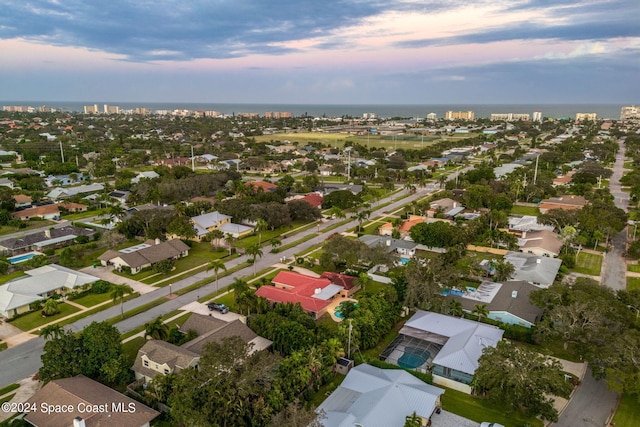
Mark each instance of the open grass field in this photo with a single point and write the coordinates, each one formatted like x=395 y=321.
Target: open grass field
x=628 y=412
x=588 y=264
x=7 y=229
x=635 y=268
x=525 y=210
x=35 y=319
x=339 y=139
x=633 y=283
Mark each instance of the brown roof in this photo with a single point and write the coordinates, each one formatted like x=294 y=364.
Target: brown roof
x=202 y=324
x=544 y=239
x=37 y=211
x=231 y=329
x=162 y=352
x=569 y=200
x=72 y=205
x=347 y=282
x=266 y=186
x=79 y=392
x=151 y=255
x=22 y=198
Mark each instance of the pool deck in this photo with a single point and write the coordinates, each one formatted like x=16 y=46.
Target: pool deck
x=331 y=309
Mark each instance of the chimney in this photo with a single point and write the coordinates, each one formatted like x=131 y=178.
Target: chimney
x=78 y=422
x=157 y=241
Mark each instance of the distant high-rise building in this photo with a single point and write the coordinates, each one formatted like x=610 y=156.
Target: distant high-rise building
x=509 y=117
x=111 y=109
x=91 y=109
x=368 y=116
x=537 y=116
x=212 y=114
x=460 y=115
x=586 y=117
x=432 y=116
x=141 y=110
x=630 y=112
x=278 y=115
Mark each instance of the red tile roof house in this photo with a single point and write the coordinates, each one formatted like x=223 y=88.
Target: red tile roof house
x=45 y=212
x=566 y=202
x=313 y=294
x=267 y=187
x=314 y=199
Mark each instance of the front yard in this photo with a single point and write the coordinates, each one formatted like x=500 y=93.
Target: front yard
x=588 y=264
x=633 y=283
x=628 y=412
x=36 y=319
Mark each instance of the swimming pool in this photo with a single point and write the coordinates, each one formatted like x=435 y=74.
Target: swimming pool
x=338 y=310
x=23 y=257
x=413 y=357
x=404 y=261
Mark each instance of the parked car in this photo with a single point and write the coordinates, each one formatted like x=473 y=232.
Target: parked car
x=486 y=424
x=218 y=307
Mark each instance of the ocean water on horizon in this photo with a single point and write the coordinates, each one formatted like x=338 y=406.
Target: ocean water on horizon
x=607 y=111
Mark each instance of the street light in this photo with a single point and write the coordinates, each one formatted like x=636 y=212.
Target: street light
x=169 y=290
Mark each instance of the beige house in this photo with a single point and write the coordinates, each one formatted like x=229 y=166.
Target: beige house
x=540 y=242
x=157 y=357
x=145 y=255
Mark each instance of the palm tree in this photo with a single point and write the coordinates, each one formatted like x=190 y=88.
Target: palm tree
x=275 y=243
x=336 y=212
x=455 y=307
x=255 y=252
x=481 y=311
x=229 y=238
x=51 y=332
x=363 y=280
x=216 y=265
x=116 y=210
x=503 y=271
x=361 y=217
x=215 y=235
x=50 y=307
x=156 y=329
x=261 y=225
x=118 y=293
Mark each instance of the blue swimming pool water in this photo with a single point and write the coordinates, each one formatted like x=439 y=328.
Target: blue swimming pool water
x=404 y=261
x=413 y=357
x=21 y=258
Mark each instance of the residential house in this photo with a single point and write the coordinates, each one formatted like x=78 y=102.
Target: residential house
x=563 y=180
x=210 y=329
x=449 y=347
x=314 y=199
x=39 y=283
x=505 y=169
x=22 y=201
x=405 y=248
x=206 y=223
x=39 y=241
x=566 y=202
x=404 y=229
x=157 y=357
x=90 y=404
x=50 y=211
x=145 y=175
x=374 y=397
x=519 y=224
x=540 y=242
x=121 y=196
x=540 y=271
x=72 y=207
x=61 y=193
x=145 y=255
x=57 y=180
x=314 y=294
x=447 y=207
x=507 y=302
x=177 y=161
x=264 y=186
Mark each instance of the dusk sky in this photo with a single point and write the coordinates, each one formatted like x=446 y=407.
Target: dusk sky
x=321 y=51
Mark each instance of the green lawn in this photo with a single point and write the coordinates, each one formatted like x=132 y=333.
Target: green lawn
x=634 y=268
x=7 y=389
x=480 y=410
x=6 y=229
x=228 y=300
x=267 y=235
x=588 y=264
x=14 y=275
x=82 y=215
x=628 y=412
x=93 y=299
x=130 y=349
x=633 y=283
x=525 y=210
x=35 y=319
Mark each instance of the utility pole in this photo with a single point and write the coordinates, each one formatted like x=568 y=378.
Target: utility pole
x=349 y=343
x=535 y=174
x=348 y=163
x=61 y=152
x=193 y=166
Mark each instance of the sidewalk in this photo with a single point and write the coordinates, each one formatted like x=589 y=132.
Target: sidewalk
x=28 y=387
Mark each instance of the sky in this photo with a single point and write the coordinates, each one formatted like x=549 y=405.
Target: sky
x=321 y=52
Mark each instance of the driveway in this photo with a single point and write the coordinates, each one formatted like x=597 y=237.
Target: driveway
x=448 y=419
x=106 y=273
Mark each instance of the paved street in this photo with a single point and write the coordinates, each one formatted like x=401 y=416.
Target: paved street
x=591 y=405
x=24 y=360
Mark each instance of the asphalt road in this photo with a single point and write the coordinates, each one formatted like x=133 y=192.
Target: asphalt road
x=591 y=405
x=614 y=267
x=23 y=360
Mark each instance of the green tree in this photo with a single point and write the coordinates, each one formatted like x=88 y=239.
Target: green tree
x=182 y=227
x=413 y=420
x=62 y=357
x=216 y=265
x=50 y=332
x=481 y=311
x=50 y=307
x=503 y=270
x=255 y=252
x=163 y=267
x=118 y=292
x=102 y=357
x=156 y=329
x=363 y=280
x=261 y=225
x=521 y=380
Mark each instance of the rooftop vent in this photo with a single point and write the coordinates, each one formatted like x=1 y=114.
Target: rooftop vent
x=514 y=294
